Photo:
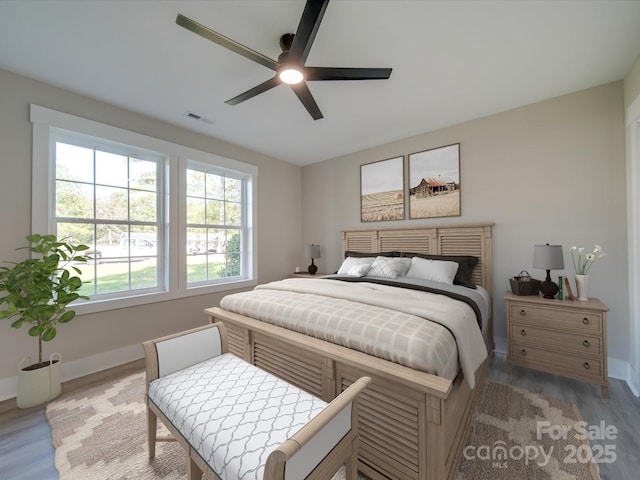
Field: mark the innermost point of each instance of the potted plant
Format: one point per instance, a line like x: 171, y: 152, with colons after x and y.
x: 37, y: 293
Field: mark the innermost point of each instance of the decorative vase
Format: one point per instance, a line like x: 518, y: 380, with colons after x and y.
x: 38, y: 386
x: 582, y: 284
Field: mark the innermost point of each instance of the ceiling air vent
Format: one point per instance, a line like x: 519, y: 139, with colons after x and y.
x: 199, y: 118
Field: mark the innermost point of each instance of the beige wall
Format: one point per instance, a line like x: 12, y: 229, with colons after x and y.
x: 121, y: 331
x: 550, y: 172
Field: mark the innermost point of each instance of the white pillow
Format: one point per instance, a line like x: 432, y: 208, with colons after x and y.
x: 359, y: 270
x: 389, y: 267
x: 351, y: 262
x: 406, y: 265
x: 434, y: 270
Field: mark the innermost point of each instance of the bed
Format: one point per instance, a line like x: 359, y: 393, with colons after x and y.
x: 413, y: 424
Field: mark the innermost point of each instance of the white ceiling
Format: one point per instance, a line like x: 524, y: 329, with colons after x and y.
x: 452, y: 61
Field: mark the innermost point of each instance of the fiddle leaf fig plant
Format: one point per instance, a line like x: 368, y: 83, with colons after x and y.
x: 39, y: 289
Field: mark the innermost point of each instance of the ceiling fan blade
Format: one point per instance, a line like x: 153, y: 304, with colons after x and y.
x: 307, y: 29
x: 304, y: 94
x: 226, y: 42
x: 339, y: 73
x: 258, y: 89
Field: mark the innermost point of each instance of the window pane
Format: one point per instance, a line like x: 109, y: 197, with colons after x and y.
x: 141, y: 242
x: 196, y: 260
x: 143, y: 206
x: 233, y: 264
x: 215, y: 212
x: 108, y: 242
x: 216, y: 266
x: 195, y: 183
x: 74, y: 200
x: 196, y: 240
x: 112, y: 277
x: 216, y: 240
x: 215, y: 186
x: 195, y: 210
x: 112, y: 203
x: 74, y: 163
x: 233, y: 213
x: 233, y: 189
x: 143, y: 174
x: 112, y: 169
x: 144, y: 274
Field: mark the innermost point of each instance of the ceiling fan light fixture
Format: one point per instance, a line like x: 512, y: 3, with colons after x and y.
x: 290, y: 67
x: 291, y: 75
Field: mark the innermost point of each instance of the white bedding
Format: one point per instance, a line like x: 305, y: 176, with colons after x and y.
x: 381, y: 320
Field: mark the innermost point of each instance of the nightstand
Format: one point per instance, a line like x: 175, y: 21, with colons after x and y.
x: 562, y: 337
x: 306, y: 275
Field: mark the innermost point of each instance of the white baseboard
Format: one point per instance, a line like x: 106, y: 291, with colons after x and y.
x: 501, y: 345
x: 617, y: 368
x: 81, y: 367
x: 85, y: 366
x: 624, y: 371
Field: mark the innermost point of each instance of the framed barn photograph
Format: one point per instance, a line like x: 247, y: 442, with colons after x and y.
x: 434, y: 182
x: 382, y: 190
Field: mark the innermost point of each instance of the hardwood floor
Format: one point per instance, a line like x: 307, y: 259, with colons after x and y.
x: 26, y: 452
x: 621, y: 410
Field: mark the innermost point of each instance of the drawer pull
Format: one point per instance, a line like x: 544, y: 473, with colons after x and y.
x: 585, y: 320
x: 523, y: 351
x: 586, y: 365
x: 523, y: 312
x: 586, y: 343
x: 523, y: 332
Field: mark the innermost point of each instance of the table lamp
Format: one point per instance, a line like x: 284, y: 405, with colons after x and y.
x: 312, y: 251
x: 548, y: 257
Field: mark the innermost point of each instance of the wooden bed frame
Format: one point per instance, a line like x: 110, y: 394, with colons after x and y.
x: 412, y: 425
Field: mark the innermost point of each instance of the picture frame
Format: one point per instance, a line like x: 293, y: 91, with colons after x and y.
x: 434, y: 182
x: 382, y: 190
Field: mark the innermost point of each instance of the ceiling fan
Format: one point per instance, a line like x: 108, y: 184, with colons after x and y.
x: 290, y: 67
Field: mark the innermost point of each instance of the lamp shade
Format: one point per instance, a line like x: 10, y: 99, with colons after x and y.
x: 312, y: 251
x: 548, y: 257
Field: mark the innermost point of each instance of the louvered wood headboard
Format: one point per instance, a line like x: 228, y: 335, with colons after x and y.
x: 469, y: 239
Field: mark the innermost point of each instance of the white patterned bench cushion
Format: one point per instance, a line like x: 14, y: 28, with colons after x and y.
x: 233, y: 413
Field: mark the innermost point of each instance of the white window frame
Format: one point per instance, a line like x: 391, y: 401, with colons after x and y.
x: 177, y: 157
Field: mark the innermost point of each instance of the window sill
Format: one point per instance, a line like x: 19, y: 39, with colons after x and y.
x: 97, y: 306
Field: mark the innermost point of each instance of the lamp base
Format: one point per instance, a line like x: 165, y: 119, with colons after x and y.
x: 548, y: 288
x: 312, y: 269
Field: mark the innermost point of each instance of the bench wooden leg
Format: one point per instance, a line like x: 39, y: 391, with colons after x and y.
x: 351, y: 465
x: 193, y: 470
x: 152, y: 430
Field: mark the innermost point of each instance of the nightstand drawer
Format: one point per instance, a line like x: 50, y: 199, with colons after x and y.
x: 525, y: 334
x: 586, y: 368
x: 582, y: 322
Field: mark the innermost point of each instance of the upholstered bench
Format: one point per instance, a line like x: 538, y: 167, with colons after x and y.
x: 240, y: 422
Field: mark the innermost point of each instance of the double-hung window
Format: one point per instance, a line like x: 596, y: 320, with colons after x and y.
x: 214, y: 220
x: 108, y: 197
x: 161, y: 220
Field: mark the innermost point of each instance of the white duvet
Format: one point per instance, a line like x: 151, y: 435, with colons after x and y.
x: 458, y: 317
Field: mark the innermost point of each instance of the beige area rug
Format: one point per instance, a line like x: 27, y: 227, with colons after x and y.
x: 518, y: 434
x: 100, y: 433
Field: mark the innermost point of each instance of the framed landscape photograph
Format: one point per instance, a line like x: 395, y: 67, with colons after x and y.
x: 434, y: 182
x: 382, y: 190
